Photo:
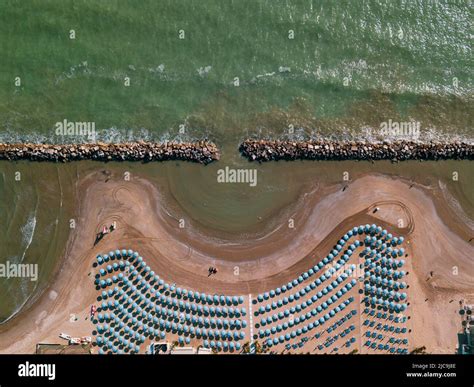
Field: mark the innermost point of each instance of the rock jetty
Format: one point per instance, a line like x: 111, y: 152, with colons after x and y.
x: 267, y: 150
x: 200, y: 151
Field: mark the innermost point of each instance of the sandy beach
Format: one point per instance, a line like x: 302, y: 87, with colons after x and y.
x: 441, y: 263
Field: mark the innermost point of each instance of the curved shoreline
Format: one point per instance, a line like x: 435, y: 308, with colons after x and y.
x: 203, y: 152
x: 183, y: 257
x: 270, y: 150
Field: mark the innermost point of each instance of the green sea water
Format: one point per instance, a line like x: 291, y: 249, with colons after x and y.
x: 324, y: 67
x: 242, y: 68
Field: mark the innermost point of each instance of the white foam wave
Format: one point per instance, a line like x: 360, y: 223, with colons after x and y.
x: 28, y: 231
x: 109, y: 135
x: 202, y: 71
x: 373, y: 135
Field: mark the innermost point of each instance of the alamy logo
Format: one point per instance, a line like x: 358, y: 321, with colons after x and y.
x: 231, y: 175
x: 37, y: 370
x: 73, y: 128
x: 402, y: 128
x: 19, y: 270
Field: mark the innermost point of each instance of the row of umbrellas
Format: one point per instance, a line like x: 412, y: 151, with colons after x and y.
x: 136, y: 296
x: 384, y: 316
x: 141, y: 268
x: 306, y: 328
x: 307, y: 274
x: 298, y: 308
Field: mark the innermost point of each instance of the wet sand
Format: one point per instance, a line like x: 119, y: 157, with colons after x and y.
x: 254, y: 263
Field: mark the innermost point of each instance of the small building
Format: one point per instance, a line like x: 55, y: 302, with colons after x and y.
x: 183, y: 351
x: 466, y: 336
x: 63, y: 349
x: 466, y: 340
x: 165, y: 348
x: 161, y: 348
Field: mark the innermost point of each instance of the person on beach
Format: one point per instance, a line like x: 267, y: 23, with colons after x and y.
x: 105, y: 230
x: 98, y: 237
x: 212, y: 270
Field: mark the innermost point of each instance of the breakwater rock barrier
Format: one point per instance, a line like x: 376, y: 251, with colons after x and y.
x: 200, y: 151
x: 268, y: 150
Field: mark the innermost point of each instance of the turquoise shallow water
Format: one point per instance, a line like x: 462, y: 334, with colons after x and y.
x: 322, y: 66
